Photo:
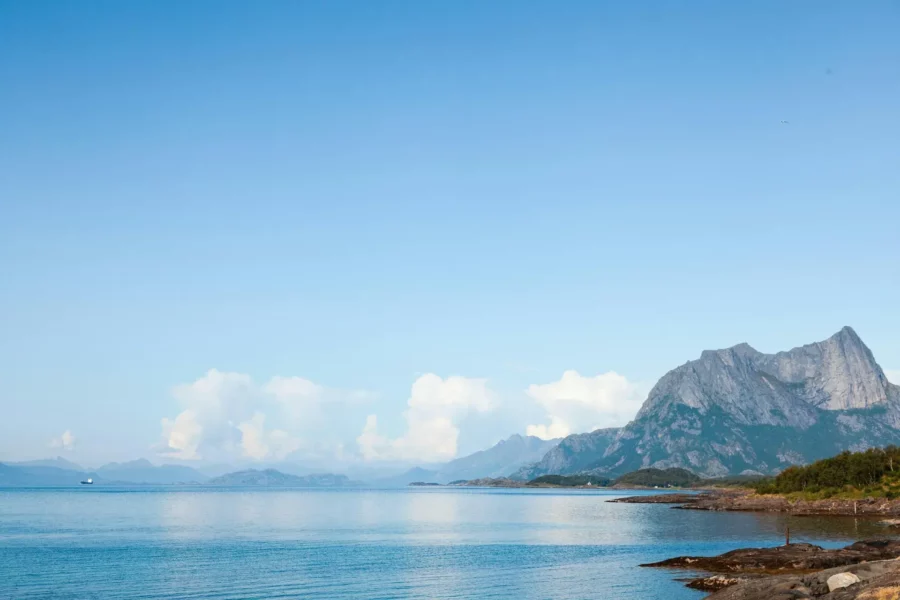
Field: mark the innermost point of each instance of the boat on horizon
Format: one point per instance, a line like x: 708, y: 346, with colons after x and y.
x: 88, y: 481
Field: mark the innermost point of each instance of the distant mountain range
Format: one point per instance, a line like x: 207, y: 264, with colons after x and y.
x: 143, y: 471
x: 59, y: 463
x: 60, y: 472
x: 741, y: 411
x: 27, y: 476
x: 500, y: 460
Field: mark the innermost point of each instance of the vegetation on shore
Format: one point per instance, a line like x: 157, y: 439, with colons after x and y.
x: 673, y: 477
x: 874, y: 473
x: 570, y: 480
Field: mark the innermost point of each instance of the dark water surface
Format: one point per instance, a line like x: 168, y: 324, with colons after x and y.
x: 365, y: 544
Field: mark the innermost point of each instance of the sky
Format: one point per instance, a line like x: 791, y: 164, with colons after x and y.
x: 384, y: 232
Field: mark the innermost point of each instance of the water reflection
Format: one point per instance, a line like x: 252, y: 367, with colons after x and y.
x: 369, y: 543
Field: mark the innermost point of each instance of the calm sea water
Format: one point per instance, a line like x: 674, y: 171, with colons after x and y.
x: 412, y: 543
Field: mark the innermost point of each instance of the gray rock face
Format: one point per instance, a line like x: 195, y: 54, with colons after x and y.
x: 837, y: 374
x: 738, y: 409
x: 777, y: 389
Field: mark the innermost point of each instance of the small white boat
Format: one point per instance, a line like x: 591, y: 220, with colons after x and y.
x: 88, y: 481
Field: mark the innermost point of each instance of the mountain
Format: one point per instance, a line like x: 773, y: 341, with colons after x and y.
x: 574, y: 453
x: 500, y: 460
x: 143, y: 471
x: 59, y: 462
x: 738, y: 410
x: 273, y: 478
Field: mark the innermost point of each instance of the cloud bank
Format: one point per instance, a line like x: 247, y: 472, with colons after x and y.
x: 224, y: 416
x: 66, y: 441
x: 434, y: 410
x: 227, y: 416
x: 575, y: 403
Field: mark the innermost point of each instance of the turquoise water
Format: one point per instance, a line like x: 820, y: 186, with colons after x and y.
x: 411, y: 543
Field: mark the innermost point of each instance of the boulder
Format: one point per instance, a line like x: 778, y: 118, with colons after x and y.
x: 841, y: 580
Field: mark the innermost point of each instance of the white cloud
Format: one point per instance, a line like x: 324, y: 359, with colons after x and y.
x: 893, y: 375
x: 576, y: 404
x: 259, y: 444
x: 253, y: 437
x: 294, y: 390
x: 556, y: 429
x: 66, y: 441
x: 224, y: 416
x: 183, y: 435
x: 435, y: 408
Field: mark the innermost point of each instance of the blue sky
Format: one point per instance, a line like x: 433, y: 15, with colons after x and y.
x: 366, y: 195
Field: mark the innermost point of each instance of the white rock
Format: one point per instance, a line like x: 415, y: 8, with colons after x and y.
x: 841, y: 580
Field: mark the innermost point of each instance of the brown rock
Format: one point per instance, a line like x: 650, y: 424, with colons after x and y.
x: 792, y: 558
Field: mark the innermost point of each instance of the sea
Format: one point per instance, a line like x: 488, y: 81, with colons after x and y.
x: 465, y: 543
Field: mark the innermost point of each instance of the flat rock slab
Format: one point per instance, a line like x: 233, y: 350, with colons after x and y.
x: 792, y: 558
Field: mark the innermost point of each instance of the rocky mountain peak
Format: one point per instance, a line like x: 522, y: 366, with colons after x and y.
x: 839, y: 373
x: 786, y: 388
x: 513, y: 439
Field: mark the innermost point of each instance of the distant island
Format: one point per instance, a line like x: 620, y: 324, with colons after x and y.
x: 275, y: 478
x: 643, y: 478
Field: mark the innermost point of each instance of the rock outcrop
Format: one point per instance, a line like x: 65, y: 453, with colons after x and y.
x: 796, y: 558
x: 877, y: 580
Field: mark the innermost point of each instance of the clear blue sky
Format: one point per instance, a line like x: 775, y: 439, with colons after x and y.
x: 359, y: 193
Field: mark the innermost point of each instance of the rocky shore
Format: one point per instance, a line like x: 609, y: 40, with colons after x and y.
x: 676, y: 498
x: 750, y: 502
x: 864, y: 570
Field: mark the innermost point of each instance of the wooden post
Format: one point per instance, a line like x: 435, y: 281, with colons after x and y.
x: 787, y: 536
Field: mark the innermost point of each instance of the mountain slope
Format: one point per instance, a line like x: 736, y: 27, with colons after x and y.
x: 737, y: 410
x: 500, y: 460
x: 573, y: 454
